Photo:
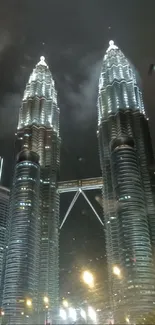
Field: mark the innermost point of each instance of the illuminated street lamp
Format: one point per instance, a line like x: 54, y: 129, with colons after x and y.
x: 127, y: 320
x: 116, y: 271
x: 29, y: 303
x: 2, y: 313
x: 46, y: 300
x: 83, y: 314
x: 63, y: 314
x: 72, y: 314
x: 88, y: 278
x: 65, y: 303
x: 92, y: 314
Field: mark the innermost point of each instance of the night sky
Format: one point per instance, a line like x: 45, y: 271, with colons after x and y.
x: 73, y: 36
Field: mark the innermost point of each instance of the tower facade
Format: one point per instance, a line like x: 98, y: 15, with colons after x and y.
x: 128, y: 203
x: 23, y: 242
x: 37, y: 136
x: 1, y: 167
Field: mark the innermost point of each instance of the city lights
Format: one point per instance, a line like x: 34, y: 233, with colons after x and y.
x: 127, y: 320
x: 65, y: 303
x: 92, y: 314
x: 46, y: 300
x: 116, y: 271
x: 63, y: 314
x: 88, y: 278
x: 29, y: 302
x: 83, y: 314
x: 72, y: 313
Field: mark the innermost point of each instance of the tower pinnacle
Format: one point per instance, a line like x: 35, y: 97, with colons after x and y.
x: 112, y: 46
x: 42, y: 61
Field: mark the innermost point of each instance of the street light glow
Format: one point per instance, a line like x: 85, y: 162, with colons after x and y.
x: 88, y: 278
x: 92, y: 314
x: 46, y: 300
x: 63, y: 314
x: 72, y: 313
x: 65, y: 303
x: 83, y: 314
x: 29, y: 302
x: 116, y: 270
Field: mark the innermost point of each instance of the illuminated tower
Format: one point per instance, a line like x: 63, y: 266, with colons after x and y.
x: 38, y: 135
x: 128, y: 204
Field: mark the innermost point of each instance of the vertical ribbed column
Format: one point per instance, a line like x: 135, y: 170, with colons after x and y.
x: 110, y: 213
x: 23, y: 243
x: 141, y: 138
x: 49, y: 254
x: 54, y: 225
x: 136, y: 254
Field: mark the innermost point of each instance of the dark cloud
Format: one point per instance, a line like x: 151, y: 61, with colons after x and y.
x: 5, y: 40
x: 9, y: 110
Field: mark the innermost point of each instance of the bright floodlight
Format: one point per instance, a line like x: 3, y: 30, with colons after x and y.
x: 127, y: 320
x: 29, y: 302
x: 72, y: 314
x: 88, y: 278
x: 83, y: 314
x: 65, y: 303
x: 46, y: 300
x: 92, y: 314
x: 116, y: 270
x: 63, y: 314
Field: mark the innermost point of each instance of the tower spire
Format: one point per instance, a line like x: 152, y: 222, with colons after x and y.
x: 112, y: 46
x: 42, y: 61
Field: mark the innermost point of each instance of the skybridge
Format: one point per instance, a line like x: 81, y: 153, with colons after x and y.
x: 79, y: 187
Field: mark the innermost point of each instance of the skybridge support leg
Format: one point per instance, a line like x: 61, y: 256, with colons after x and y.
x: 70, y: 208
x: 86, y: 198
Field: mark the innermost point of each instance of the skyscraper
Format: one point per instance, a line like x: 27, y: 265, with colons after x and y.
x: 128, y: 204
x: 36, y: 172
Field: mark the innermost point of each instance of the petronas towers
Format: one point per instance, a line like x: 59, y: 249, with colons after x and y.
x: 31, y: 261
